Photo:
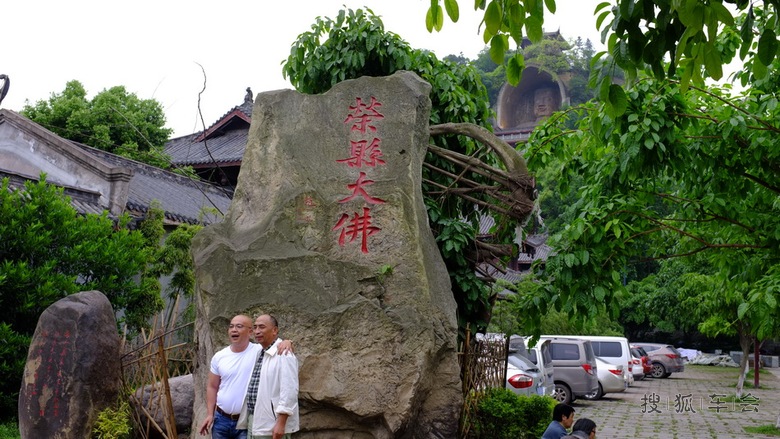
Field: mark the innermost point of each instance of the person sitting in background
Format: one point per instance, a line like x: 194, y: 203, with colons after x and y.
x: 563, y: 417
x: 583, y: 429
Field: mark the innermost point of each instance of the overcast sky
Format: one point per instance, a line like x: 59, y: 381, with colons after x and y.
x: 154, y: 47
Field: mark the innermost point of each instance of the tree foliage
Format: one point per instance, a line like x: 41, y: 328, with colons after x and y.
x: 665, y: 38
x: 682, y: 172
x: 552, y: 55
x: 663, y: 168
x: 355, y: 44
x: 49, y: 251
x: 114, y: 120
x: 509, y: 316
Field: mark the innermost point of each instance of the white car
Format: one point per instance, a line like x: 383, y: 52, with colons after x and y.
x: 615, y: 350
x: 612, y: 379
x: 540, y: 357
x: 523, y: 377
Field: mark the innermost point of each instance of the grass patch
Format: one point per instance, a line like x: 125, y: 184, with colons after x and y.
x: 732, y: 374
x: 766, y: 430
x: 10, y: 430
x: 746, y: 399
x: 709, y: 369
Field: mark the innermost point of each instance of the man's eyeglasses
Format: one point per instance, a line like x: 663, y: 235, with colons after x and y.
x: 237, y: 326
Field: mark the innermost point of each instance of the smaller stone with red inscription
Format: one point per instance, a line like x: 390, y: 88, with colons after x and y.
x: 73, y: 368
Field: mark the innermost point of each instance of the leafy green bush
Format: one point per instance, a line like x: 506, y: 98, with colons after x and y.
x: 113, y: 423
x: 503, y: 415
x: 13, y: 352
x: 10, y: 430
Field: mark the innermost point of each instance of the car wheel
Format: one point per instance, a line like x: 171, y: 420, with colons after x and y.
x: 659, y: 371
x: 667, y: 375
x: 562, y: 393
x: 596, y: 394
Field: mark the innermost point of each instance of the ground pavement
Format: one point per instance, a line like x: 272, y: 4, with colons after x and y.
x: 689, y: 405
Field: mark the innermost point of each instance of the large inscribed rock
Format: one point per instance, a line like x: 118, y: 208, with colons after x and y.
x: 328, y: 232
x: 73, y: 368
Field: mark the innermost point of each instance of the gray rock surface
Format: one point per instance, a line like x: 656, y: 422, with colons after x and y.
x: 72, y: 370
x: 371, y: 315
x: 182, y: 399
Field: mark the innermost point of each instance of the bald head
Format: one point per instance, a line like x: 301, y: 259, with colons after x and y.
x: 239, y: 332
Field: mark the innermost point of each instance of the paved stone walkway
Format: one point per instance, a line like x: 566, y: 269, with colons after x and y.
x: 689, y: 405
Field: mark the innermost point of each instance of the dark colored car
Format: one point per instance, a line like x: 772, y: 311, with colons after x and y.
x: 665, y: 359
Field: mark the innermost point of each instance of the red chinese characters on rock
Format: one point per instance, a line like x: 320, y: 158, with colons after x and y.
x: 364, y: 153
x: 361, y: 115
x: 49, y: 383
x: 359, y: 225
x: 358, y: 189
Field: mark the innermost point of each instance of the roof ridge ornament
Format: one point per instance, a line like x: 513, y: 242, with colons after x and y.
x: 6, y: 83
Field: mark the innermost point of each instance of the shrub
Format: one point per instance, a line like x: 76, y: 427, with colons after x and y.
x: 10, y: 430
x: 503, y: 415
x: 13, y: 355
x: 113, y: 423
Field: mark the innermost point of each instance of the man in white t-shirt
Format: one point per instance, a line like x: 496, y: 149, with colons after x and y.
x: 229, y: 375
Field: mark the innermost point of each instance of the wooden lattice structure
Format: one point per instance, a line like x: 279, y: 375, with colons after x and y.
x: 148, y: 362
x: 483, y: 367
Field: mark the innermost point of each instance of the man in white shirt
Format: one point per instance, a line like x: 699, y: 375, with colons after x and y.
x: 229, y: 375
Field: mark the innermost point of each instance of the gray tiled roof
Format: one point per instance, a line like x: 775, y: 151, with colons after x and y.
x: 225, y: 140
x: 538, y: 242
x: 543, y: 251
x: 85, y: 202
x: 86, y: 208
x: 227, y: 148
x: 184, y: 200
x: 509, y: 275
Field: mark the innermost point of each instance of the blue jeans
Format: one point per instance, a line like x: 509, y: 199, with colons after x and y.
x: 225, y: 428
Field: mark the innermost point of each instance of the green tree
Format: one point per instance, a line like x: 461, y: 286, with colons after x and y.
x: 666, y: 168
x: 355, y: 44
x: 679, y: 173
x: 552, y: 55
x: 48, y: 251
x: 114, y: 120
x: 173, y: 259
x: 665, y: 38
x: 683, y: 172
x: 510, y: 316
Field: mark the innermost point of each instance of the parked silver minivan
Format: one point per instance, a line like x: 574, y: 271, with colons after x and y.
x: 575, y: 369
